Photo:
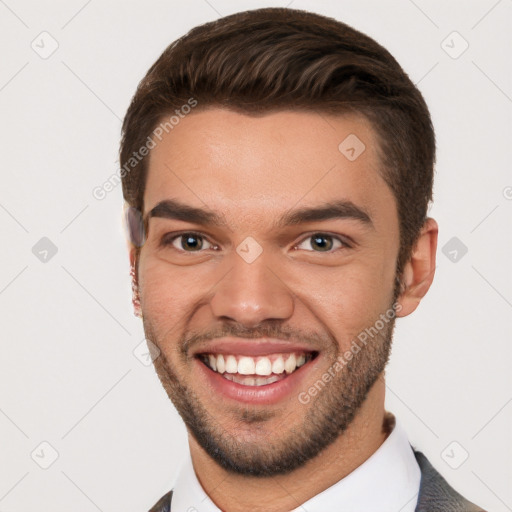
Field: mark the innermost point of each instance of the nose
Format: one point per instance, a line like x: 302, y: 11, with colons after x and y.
x: 251, y: 293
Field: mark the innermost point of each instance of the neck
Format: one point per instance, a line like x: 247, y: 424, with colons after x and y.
x: 237, y: 493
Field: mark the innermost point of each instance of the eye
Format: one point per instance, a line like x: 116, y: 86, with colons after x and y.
x: 321, y: 242
x: 188, y: 242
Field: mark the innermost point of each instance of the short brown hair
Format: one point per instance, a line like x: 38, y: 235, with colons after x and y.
x: 273, y: 59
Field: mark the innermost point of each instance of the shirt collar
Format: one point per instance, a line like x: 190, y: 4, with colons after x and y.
x: 389, y: 480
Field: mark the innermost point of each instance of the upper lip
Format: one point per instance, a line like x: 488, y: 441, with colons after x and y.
x: 251, y: 347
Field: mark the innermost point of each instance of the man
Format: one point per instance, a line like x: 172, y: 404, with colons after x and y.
x: 277, y: 166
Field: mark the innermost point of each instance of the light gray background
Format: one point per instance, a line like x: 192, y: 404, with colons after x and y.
x: 69, y: 375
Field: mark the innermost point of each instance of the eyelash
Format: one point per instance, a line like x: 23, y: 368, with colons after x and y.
x: 169, y: 240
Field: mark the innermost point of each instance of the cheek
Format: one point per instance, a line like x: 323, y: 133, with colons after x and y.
x: 168, y: 293
x: 348, y: 299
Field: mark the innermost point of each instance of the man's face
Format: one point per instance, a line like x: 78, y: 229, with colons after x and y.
x: 276, y: 273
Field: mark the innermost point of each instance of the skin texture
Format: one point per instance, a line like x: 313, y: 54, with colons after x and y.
x: 252, y: 170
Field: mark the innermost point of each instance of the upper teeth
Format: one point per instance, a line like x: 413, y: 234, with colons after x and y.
x: 261, y: 365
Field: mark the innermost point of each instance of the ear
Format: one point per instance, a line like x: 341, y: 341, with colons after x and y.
x: 418, y: 272
x: 135, y: 238
x: 137, y: 310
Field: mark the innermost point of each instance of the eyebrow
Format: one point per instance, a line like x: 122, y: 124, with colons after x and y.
x: 172, y: 209
x: 333, y: 210
x: 342, y: 209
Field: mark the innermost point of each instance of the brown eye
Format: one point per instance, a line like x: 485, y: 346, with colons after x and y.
x: 188, y: 242
x: 321, y: 242
x: 191, y: 242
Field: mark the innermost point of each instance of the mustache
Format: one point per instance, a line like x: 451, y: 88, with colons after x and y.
x: 265, y: 330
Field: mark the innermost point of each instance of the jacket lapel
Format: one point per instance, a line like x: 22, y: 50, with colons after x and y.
x: 163, y: 504
x: 436, y: 494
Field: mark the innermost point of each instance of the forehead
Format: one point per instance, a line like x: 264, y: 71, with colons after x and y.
x: 255, y: 166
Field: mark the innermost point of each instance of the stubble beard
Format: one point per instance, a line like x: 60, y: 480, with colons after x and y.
x: 326, y: 416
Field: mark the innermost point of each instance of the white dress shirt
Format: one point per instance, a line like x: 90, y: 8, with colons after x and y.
x: 388, y: 481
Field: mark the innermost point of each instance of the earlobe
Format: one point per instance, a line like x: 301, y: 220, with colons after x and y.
x: 418, y: 272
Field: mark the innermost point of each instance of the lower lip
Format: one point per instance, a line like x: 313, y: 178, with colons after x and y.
x: 266, y: 394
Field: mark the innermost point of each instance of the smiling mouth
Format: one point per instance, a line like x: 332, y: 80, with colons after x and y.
x: 259, y: 370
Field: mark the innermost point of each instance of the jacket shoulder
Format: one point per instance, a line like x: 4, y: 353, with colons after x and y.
x: 163, y: 504
x: 436, y: 493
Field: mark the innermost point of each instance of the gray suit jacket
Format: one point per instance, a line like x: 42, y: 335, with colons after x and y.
x: 435, y: 494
